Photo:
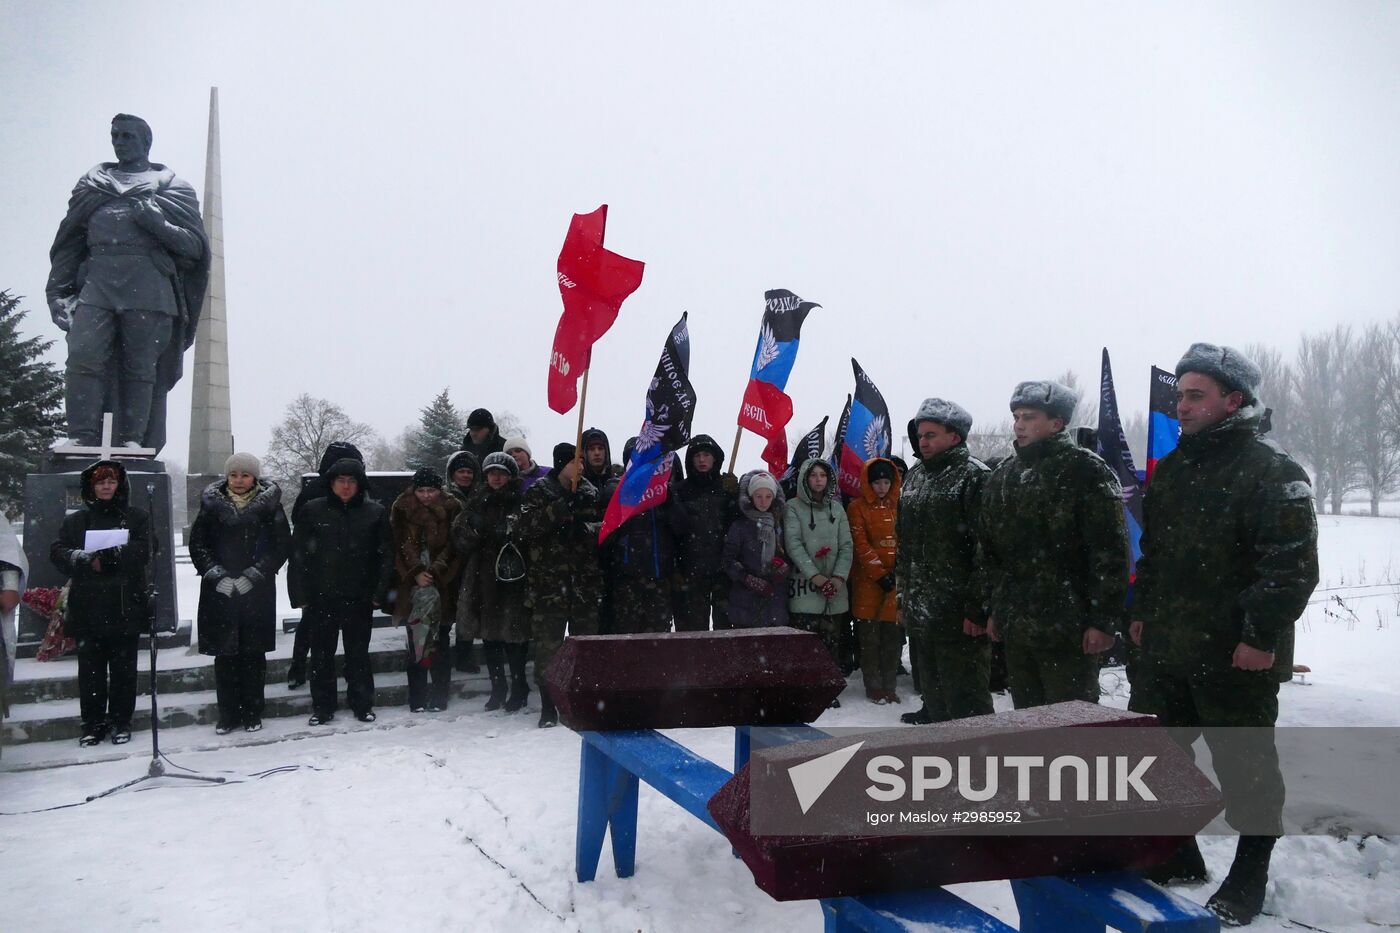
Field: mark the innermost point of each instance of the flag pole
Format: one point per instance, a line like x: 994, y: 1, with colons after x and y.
x: 734, y: 454
x: 578, y: 435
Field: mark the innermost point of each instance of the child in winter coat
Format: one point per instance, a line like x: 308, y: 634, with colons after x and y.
x: 872, y: 518
x: 818, y: 538
x: 754, y: 557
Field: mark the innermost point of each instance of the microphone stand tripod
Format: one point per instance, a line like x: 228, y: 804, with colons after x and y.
x: 157, y: 766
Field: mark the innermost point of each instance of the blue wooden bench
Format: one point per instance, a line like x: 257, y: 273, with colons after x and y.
x: 613, y: 763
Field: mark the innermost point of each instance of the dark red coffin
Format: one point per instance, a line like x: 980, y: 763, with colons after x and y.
x: 692, y: 679
x: 796, y: 867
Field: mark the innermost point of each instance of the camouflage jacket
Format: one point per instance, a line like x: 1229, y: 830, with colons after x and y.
x: 1229, y: 547
x: 1053, y: 544
x: 936, y: 560
x: 560, y: 530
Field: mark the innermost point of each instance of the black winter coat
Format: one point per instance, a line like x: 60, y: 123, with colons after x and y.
x: 709, y: 510
x: 229, y: 542
x: 341, y: 552
x: 115, y: 599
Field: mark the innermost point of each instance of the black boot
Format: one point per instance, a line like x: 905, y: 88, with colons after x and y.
x: 1185, y: 866
x: 519, y: 686
x: 1241, y: 897
x: 463, y: 658
x: 549, y: 716
x: 919, y: 717
x: 496, y: 669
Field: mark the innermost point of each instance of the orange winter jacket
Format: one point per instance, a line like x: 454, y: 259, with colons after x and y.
x: 872, y: 531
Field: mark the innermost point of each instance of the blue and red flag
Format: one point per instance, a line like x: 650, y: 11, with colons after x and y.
x: 593, y: 283
x: 767, y: 409
x: 1112, y: 445
x: 1163, y: 428
x: 670, y: 411
x: 867, y: 433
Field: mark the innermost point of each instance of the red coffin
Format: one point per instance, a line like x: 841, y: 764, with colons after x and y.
x: 692, y: 679
x: 801, y: 867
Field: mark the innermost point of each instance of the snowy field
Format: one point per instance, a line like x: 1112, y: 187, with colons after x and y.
x: 465, y: 820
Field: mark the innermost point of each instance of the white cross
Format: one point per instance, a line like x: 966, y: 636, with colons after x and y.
x: 107, y: 450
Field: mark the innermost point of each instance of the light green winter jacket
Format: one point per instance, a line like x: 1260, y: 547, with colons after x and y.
x: 818, y: 540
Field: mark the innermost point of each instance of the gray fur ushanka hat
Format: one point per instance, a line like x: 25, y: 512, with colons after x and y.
x: 1054, y: 399
x: 1226, y: 365
x: 941, y: 411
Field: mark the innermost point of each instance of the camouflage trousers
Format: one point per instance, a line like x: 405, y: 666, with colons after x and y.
x: 835, y: 631
x: 880, y: 646
x: 638, y: 605
x: 548, y: 626
x: 1236, y: 711
x: 1038, y: 675
x: 954, y: 673
x: 696, y: 598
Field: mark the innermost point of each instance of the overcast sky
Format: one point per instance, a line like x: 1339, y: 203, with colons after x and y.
x: 976, y: 193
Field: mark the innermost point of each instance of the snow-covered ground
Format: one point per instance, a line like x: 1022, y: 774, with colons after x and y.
x: 466, y: 819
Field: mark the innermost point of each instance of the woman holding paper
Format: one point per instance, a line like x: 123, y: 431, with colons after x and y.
x: 104, y: 548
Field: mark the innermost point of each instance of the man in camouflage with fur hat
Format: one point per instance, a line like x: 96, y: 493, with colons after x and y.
x: 560, y: 517
x: 938, y: 595
x: 1053, y: 546
x: 1229, y: 559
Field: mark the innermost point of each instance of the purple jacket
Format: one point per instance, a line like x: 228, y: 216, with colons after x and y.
x: 532, y: 476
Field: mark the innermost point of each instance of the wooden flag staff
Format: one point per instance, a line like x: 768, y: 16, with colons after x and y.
x: 578, y: 435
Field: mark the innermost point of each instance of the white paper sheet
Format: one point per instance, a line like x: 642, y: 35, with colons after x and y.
x: 107, y: 537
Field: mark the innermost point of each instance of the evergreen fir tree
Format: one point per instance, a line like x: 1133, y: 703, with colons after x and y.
x: 31, y: 404
x: 437, y: 436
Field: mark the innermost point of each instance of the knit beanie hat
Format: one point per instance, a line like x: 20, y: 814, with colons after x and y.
x: 427, y: 477
x: 563, y: 453
x: 762, y: 481
x: 500, y: 461
x: 463, y: 458
x: 880, y: 469
x: 518, y: 443
x: 1226, y: 365
x: 1056, y: 400
x: 243, y: 463
x: 481, y: 418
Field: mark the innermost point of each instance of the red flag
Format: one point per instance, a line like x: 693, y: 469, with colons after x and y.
x: 593, y: 282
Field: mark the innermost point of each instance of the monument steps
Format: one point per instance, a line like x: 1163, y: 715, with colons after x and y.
x: 44, y: 698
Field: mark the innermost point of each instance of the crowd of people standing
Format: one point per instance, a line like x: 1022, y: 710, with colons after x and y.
x: 952, y: 555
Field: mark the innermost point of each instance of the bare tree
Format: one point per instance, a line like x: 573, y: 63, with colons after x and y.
x: 510, y: 425
x: 1373, y: 395
x: 1086, y: 411
x: 307, y: 427
x: 388, y: 455
x: 1275, y: 389
x: 994, y: 443
x: 1322, y: 431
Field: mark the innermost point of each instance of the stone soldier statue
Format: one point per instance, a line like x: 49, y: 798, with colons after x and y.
x: 128, y: 272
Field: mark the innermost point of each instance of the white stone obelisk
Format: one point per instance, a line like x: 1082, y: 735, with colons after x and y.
x: 211, y: 424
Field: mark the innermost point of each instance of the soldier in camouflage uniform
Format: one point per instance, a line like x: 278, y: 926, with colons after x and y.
x: 940, y: 600
x: 1229, y: 559
x: 1054, y: 552
x: 639, y: 562
x: 559, y: 525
